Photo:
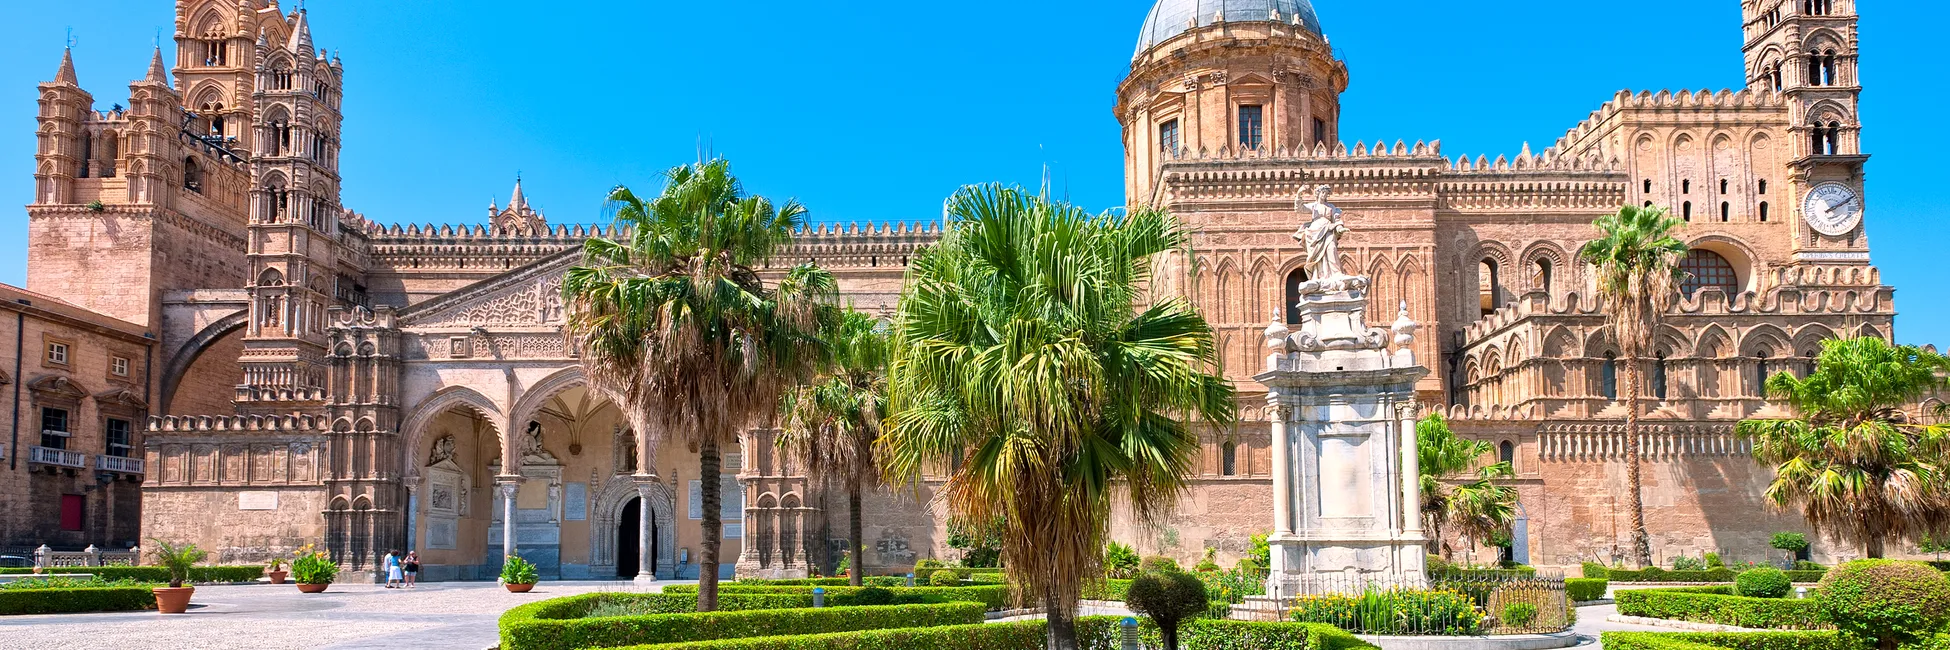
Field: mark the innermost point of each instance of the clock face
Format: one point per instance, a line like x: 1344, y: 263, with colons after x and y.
x: 1832, y: 209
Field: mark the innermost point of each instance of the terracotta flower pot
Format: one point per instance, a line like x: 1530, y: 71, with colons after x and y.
x: 520, y: 589
x: 277, y: 577
x: 311, y: 588
x: 173, y: 600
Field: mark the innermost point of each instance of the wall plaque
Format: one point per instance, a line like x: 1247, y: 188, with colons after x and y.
x: 575, y: 500
x: 257, y: 500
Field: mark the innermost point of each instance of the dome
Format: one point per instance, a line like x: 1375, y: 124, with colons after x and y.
x: 1170, y: 18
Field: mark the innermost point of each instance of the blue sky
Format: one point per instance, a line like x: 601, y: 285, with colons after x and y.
x: 874, y: 111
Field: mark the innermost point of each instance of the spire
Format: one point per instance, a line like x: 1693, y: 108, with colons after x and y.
x: 156, y: 72
x: 301, y: 36
x: 517, y: 202
x: 66, y: 73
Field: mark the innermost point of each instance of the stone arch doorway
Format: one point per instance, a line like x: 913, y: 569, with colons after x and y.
x: 629, y: 529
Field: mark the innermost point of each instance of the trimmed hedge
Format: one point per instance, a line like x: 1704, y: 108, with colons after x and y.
x: 1093, y: 633
x: 994, y: 597
x: 553, y: 624
x: 82, y: 599
x: 1728, y: 640
x: 1656, y: 574
x: 1583, y: 589
x: 1716, y: 605
x: 198, y: 574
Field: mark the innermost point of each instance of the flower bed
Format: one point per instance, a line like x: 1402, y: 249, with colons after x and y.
x: 1728, y: 640
x: 198, y: 575
x: 561, y: 622
x: 61, y: 595
x: 1093, y: 633
x: 1393, y: 612
x: 1719, y: 606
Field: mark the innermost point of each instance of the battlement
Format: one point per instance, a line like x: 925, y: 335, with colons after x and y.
x: 1667, y: 100
x: 250, y: 423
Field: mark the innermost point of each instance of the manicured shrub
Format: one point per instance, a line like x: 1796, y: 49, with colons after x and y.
x: 924, y: 566
x: 944, y: 578
x: 1107, y: 590
x: 1584, y: 589
x: 1519, y: 614
x: 1805, y: 576
x: 557, y: 623
x: 1713, y: 561
x: 1158, y: 564
x: 1093, y: 632
x: 1393, y: 611
x: 1790, y: 542
x: 83, y: 599
x: 1717, y: 605
x: 1596, y: 570
x: 1656, y: 574
x: 1764, y: 582
x: 156, y: 574
x: 994, y: 597
x: 1804, y: 565
x: 1888, y: 601
x: 1730, y: 640
x: 1168, y: 599
x: 1688, y: 563
x: 873, y: 596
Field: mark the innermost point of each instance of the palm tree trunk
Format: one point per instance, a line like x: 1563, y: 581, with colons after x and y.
x: 709, y: 468
x: 1641, y: 542
x: 856, y: 532
x: 1062, y: 626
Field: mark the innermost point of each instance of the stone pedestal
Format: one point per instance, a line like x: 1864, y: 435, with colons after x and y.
x: 1346, y: 490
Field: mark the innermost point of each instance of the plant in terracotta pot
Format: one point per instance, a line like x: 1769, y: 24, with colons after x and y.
x: 276, y: 571
x: 519, y: 575
x: 175, y: 598
x: 312, y: 570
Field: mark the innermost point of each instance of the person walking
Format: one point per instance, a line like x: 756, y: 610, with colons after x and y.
x: 392, y: 567
x: 412, y: 568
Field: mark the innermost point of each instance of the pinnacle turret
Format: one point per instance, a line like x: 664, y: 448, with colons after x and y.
x: 66, y: 74
x: 301, y: 36
x: 157, y: 74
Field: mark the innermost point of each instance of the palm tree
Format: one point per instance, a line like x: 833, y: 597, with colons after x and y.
x: 675, y: 325
x: 1637, y: 260
x: 1025, y: 345
x: 1457, y: 490
x: 831, y: 424
x: 1858, y: 465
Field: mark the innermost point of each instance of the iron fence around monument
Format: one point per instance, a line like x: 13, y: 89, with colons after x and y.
x: 1450, y: 604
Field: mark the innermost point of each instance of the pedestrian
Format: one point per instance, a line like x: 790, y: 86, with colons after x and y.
x: 412, y: 568
x: 392, y: 569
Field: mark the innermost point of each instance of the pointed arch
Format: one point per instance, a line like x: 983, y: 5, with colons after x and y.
x: 1226, y: 306
x: 1765, y: 340
x: 1714, y: 343
x: 420, y: 418
x: 1560, y: 343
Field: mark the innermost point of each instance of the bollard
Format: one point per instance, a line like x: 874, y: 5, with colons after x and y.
x: 910, y: 579
x: 1130, y: 634
x: 819, y: 596
x: 1800, y: 593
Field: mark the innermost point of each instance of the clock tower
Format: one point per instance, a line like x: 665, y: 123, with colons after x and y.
x: 1807, y: 50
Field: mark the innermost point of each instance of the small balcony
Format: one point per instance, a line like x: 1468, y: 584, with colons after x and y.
x: 57, y: 457
x: 119, y: 464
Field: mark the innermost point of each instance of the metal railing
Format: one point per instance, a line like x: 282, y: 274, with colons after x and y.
x: 119, y: 464
x: 1445, y: 605
x: 57, y: 457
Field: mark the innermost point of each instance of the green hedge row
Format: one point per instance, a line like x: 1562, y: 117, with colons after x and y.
x: 1583, y: 589
x: 1656, y: 574
x: 1093, y: 633
x: 198, y: 574
x: 82, y: 599
x: 994, y: 597
x: 1716, y: 605
x: 1727, y: 640
x: 1108, y: 590
x: 554, y: 623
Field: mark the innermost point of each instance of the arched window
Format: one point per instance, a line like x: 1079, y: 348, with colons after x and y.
x: 1489, y: 286
x: 1543, y: 275
x: 1168, y: 138
x: 1648, y: 186
x: 1812, y: 360
x: 1659, y: 376
x: 1706, y: 268
x: 1685, y: 187
x: 280, y: 77
x: 1763, y: 186
x: 1834, y: 138
x: 1507, y: 453
x: 1608, y: 377
x: 1293, y: 281
x: 1763, y: 212
x: 87, y: 151
x: 192, y: 176
x: 1723, y: 186
x: 1760, y: 374
x: 1686, y: 210
x: 1814, y: 68
x: 1726, y: 211
x: 1830, y: 73
x: 1229, y: 459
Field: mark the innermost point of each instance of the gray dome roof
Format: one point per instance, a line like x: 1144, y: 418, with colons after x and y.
x: 1170, y: 18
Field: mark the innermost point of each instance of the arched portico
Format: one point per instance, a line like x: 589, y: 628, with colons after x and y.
x: 609, y: 504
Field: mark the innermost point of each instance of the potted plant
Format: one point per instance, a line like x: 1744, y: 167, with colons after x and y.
x: 312, y: 570
x: 175, y: 598
x: 519, y: 575
x: 276, y: 571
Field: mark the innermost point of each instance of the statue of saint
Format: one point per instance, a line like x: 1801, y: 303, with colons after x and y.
x: 1321, y: 235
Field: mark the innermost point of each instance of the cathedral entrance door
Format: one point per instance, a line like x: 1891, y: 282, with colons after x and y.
x: 627, y: 526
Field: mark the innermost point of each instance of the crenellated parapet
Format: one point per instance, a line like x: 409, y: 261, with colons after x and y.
x: 837, y: 246
x: 1689, y: 103
x: 198, y: 424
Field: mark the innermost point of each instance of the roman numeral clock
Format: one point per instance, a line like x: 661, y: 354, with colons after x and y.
x: 1832, y: 209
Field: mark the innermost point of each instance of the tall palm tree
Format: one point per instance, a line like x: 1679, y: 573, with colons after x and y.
x: 1637, y: 260
x: 1458, y: 490
x: 1858, y: 465
x: 831, y: 423
x: 676, y: 326
x: 1024, y: 342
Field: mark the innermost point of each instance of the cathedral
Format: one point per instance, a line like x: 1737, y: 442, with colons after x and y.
x: 300, y: 374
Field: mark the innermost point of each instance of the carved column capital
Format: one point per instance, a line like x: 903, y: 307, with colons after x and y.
x: 508, y: 487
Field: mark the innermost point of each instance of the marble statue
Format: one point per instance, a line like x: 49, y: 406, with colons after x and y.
x: 1321, y: 235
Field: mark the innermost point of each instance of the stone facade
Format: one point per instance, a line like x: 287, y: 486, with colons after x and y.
x: 321, y: 378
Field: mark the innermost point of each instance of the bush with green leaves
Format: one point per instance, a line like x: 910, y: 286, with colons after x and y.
x: 1826, y: 640
x: 1886, y: 601
x: 1804, y: 565
x: 1168, y: 598
x: 944, y: 578
x: 64, y: 600
x: 1688, y: 563
x: 177, y: 560
x: 310, y: 567
x: 873, y: 596
x: 154, y: 574
x: 1093, y: 632
x: 1718, y: 605
x: 994, y: 597
x: 1158, y: 564
x: 1518, y: 614
x: 1656, y: 574
x: 1713, y: 560
x: 924, y: 566
x: 518, y: 571
x: 1790, y: 542
x: 1595, y: 570
x: 1441, y: 612
x: 561, y: 622
x: 1765, y: 582
x: 1585, y: 589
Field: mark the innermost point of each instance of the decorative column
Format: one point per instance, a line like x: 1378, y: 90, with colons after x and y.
x: 1282, y: 480
x: 1411, y: 471
x: 646, y: 564
x: 412, y: 512
x: 509, y: 485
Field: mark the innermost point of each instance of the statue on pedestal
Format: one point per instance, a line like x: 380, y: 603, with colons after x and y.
x: 1321, y: 235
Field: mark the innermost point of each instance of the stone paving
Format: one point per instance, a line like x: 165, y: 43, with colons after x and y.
x: 440, y: 616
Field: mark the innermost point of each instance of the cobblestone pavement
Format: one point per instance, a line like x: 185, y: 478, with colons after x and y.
x: 440, y: 616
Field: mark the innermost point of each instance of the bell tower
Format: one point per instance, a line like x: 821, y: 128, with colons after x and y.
x: 1808, y: 50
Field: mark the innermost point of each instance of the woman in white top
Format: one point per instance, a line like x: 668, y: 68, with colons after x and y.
x: 392, y: 570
